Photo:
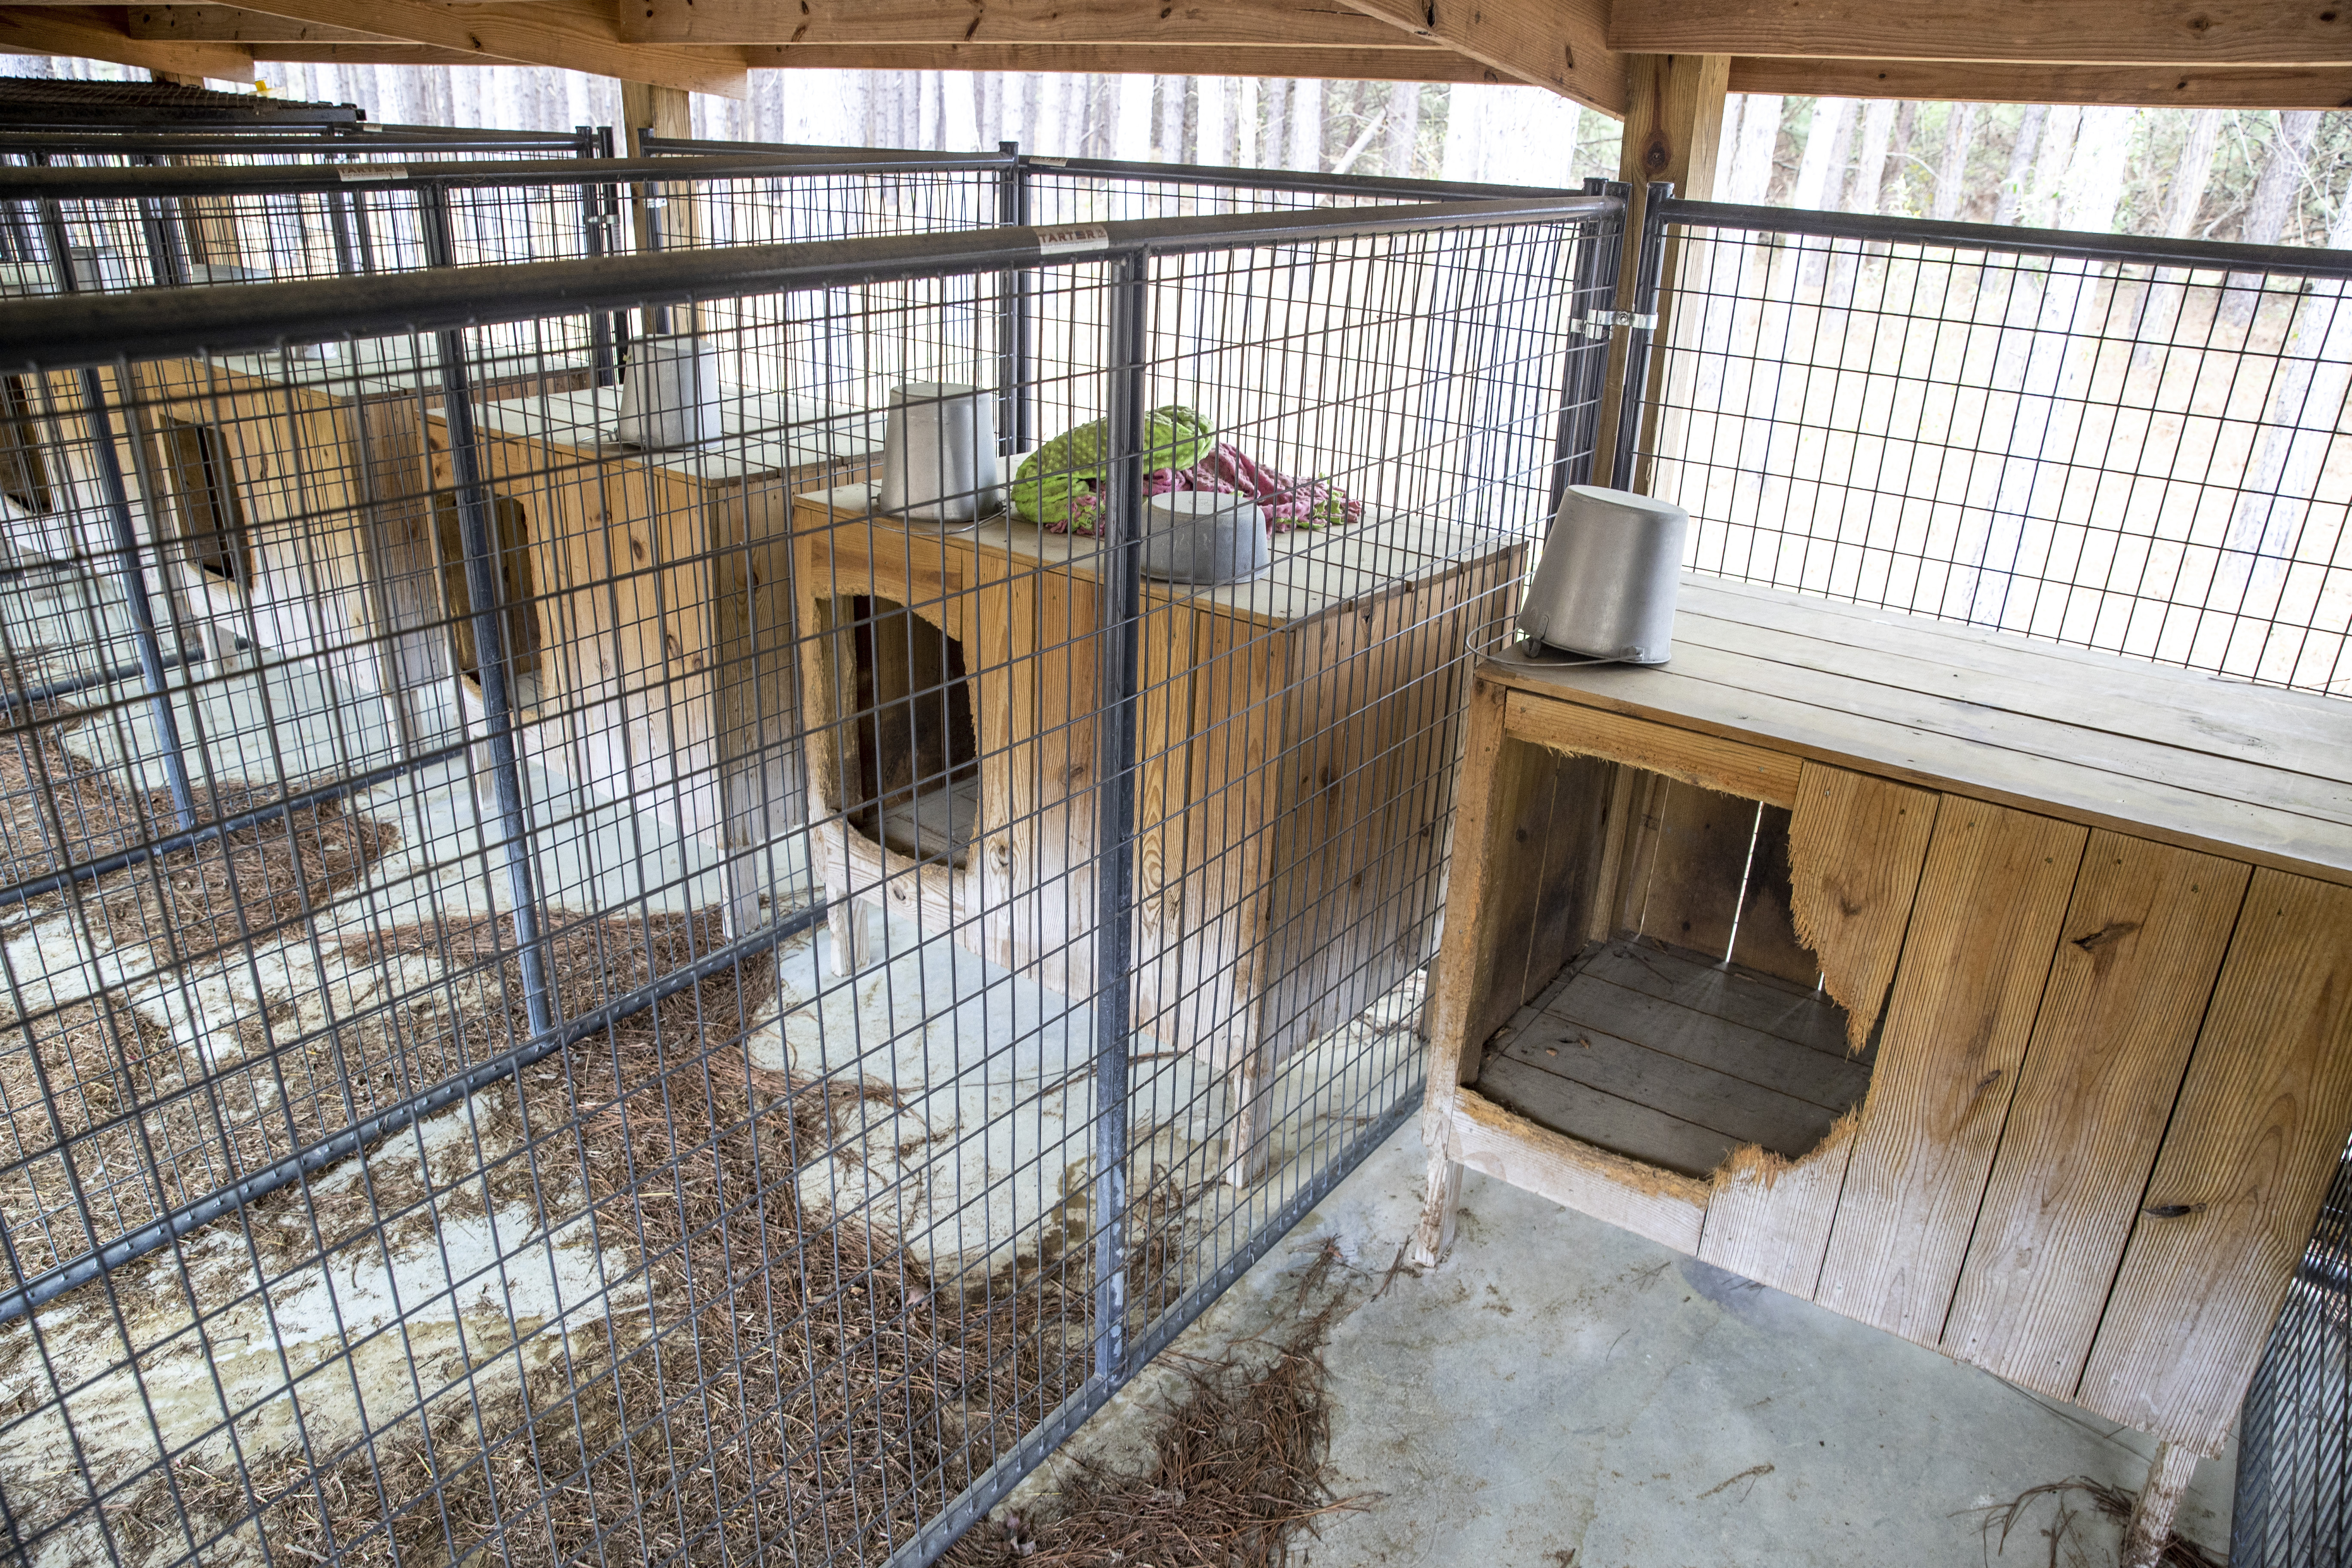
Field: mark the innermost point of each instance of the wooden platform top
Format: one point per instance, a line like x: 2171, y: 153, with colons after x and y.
x: 2253, y: 772
x: 1314, y: 570
x: 766, y: 433
x: 365, y: 369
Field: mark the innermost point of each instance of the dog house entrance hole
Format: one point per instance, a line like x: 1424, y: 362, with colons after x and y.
x: 918, y: 786
x: 207, y: 506
x: 1698, y: 1024
x: 23, y: 471
x: 513, y: 526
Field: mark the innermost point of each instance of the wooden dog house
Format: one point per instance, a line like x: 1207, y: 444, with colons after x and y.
x: 2078, y: 1062
x: 631, y: 580
x: 288, y: 503
x: 1295, y: 761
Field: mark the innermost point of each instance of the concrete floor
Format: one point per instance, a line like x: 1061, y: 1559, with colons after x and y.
x: 1555, y: 1392
x: 1560, y: 1391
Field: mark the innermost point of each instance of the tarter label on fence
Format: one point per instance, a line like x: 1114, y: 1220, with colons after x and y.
x: 1076, y: 237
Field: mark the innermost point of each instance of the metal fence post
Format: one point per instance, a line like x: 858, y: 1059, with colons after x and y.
x: 1587, y: 355
x: 1646, y: 271
x: 1118, y: 624
x: 130, y: 575
x: 1015, y: 208
x: 486, y: 599
x: 592, y: 243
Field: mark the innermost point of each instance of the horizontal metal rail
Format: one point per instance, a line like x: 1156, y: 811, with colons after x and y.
x: 81, y: 330
x: 2132, y: 250
x: 49, y: 1285
x: 275, y: 139
x: 36, y: 887
x: 84, y: 330
x: 10, y: 701
x: 22, y: 184
x: 858, y: 160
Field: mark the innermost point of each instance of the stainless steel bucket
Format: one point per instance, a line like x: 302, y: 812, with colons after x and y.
x: 1605, y: 587
x: 670, y: 394
x: 939, y: 453
x: 1204, y: 537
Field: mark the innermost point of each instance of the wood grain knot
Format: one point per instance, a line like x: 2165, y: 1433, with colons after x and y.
x: 2172, y: 1211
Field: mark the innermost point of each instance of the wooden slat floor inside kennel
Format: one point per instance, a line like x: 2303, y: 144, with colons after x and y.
x: 1661, y: 1056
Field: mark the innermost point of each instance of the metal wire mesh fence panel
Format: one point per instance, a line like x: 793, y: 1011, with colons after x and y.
x: 2121, y: 443
x: 652, y: 981
x: 2292, y: 1502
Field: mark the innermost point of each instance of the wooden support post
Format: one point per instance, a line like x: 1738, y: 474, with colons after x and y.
x: 1672, y: 121
x: 650, y: 110
x: 2150, y: 1530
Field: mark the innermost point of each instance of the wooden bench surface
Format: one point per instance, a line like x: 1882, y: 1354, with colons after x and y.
x: 2253, y: 772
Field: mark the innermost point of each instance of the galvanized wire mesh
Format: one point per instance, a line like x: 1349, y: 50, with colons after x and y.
x: 2293, y: 1503
x: 2125, y: 444
x: 641, y: 983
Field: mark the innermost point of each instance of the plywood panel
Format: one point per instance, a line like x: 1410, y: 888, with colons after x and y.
x: 1697, y: 870
x: 1991, y: 900
x: 2251, y: 1146
x: 2142, y: 943
x: 1767, y: 936
x: 1856, y: 843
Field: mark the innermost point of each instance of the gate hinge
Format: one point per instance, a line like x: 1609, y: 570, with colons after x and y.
x: 1596, y: 324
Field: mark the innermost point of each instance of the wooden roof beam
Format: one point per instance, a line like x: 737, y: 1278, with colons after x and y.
x: 1325, y: 24
x: 2192, y: 87
x: 576, y: 34
x: 95, y: 36
x: 1556, y: 44
x: 1404, y: 63
x: 233, y: 25
x: 2044, y: 32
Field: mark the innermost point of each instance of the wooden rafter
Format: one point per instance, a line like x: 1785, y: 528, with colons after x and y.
x: 96, y: 35
x: 2192, y: 87
x: 577, y: 34
x: 1557, y: 44
x: 1390, y: 64
x: 2047, y: 32
x: 1325, y: 24
x: 233, y: 25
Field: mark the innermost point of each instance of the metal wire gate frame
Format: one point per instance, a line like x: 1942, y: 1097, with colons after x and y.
x: 2121, y: 443
x: 525, y: 934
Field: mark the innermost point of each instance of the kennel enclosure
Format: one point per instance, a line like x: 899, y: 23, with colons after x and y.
x: 450, y: 1075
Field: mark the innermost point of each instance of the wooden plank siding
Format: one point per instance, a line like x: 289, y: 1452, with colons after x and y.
x: 2135, y: 961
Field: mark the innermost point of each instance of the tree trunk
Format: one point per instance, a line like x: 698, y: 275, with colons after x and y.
x: 1273, y: 127
x: 1212, y: 121
x: 2021, y: 153
x: 1306, y: 124
x: 1898, y: 156
x: 2275, y: 197
x: 1752, y: 159
x: 1172, y: 119
x: 2048, y: 367
x: 1952, y: 170
x: 2053, y: 167
x: 1870, y: 161
x: 2267, y: 529
x: 1813, y: 190
x: 1248, y: 114
x: 1404, y: 131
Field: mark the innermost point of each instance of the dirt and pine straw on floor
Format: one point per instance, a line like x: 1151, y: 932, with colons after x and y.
x: 801, y: 1385
x: 118, y: 1086
x: 1239, y: 1468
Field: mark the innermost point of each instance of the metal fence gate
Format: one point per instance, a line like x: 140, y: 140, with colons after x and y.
x: 584, y: 991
